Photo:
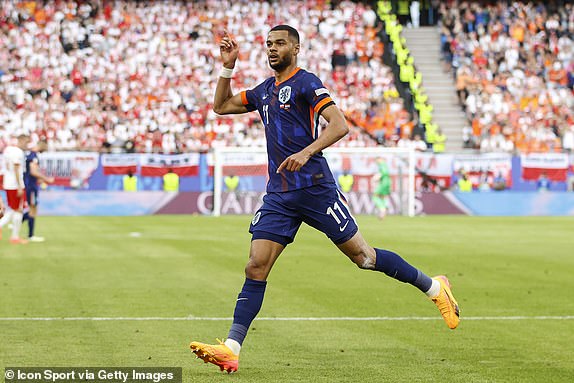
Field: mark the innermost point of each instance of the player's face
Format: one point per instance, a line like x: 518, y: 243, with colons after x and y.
x: 23, y: 143
x: 281, y: 50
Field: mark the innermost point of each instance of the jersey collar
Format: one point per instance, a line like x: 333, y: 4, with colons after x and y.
x: 288, y: 77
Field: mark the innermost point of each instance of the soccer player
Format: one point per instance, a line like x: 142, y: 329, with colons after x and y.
x: 301, y: 187
x: 31, y: 177
x: 383, y: 190
x: 14, y: 187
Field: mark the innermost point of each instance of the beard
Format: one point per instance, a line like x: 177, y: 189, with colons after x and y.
x: 281, y: 64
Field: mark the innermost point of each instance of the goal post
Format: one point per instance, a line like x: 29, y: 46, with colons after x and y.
x: 249, y: 165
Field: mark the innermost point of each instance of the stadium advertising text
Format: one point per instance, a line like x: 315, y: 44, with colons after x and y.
x: 77, y: 169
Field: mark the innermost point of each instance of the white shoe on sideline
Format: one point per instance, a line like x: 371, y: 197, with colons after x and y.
x: 36, y: 239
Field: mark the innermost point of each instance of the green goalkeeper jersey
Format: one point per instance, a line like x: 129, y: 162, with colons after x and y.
x: 384, y: 186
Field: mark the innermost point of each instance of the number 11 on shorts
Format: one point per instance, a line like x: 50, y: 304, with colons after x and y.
x: 331, y: 211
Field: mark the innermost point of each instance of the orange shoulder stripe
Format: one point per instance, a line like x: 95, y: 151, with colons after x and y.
x: 244, y: 98
x: 322, y: 103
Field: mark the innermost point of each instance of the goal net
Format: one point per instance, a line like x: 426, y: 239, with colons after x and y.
x: 240, y: 178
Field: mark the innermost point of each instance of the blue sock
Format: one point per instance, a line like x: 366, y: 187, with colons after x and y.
x: 25, y: 216
x: 248, y: 304
x: 31, y: 221
x: 394, y: 266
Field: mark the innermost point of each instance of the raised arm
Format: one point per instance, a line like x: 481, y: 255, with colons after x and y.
x: 224, y: 102
x: 335, y: 130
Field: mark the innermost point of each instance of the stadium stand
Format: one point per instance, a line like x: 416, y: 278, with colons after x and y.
x: 513, y: 63
x: 139, y: 76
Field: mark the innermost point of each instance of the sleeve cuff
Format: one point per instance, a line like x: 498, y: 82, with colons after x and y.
x: 321, y: 105
x: 244, y: 98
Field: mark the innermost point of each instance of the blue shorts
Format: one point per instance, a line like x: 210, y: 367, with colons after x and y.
x: 320, y: 206
x: 32, y: 196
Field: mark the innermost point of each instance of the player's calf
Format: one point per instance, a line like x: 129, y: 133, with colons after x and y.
x: 359, y: 252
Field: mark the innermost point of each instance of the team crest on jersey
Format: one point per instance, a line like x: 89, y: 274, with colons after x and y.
x: 284, y: 94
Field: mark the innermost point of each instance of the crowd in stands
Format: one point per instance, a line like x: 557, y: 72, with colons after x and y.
x: 513, y: 64
x: 139, y: 76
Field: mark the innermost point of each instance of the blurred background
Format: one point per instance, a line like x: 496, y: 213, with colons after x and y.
x: 481, y: 91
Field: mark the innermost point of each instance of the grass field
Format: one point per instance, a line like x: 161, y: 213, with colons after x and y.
x: 507, y: 274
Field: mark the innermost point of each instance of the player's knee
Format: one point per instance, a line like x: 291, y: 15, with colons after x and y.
x: 256, y: 270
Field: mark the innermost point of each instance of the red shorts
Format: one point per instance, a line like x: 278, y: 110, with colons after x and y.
x: 15, y: 202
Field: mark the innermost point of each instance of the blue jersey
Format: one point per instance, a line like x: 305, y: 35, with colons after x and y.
x: 290, y: 113
x: 30, y: 181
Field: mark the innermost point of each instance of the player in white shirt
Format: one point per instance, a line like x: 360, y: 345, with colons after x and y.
x: 1, y: 208
x: 14, y: 164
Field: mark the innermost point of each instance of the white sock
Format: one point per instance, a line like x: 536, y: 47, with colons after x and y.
x: 16, y: 224
x: 434, y: 289
x: 233, y: 345
x: 7, y: 218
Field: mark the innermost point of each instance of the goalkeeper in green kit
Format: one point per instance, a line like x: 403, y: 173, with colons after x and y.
x: 383, y: 190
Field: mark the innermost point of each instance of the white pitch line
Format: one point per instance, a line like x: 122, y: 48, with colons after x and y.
x: 287, y: 319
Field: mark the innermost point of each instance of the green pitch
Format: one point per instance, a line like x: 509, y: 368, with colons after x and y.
x: 506, y: 274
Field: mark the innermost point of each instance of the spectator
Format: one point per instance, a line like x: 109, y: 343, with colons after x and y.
x: 483, y: 184
x: 130, y: 182
x: 170, y: 181
x: 543, y: 183
x: 138, y: 76
x: 346, y: 181
x: 464, y: 184
x: 418, y: 144
x: 231, y: 182
x: 440, y: 142
x: 568, y: 139
x: 513, y: 68
x: 415, y: 13
x: 499, y: 182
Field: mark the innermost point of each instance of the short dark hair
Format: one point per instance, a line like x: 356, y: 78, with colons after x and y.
x: 292, y: 32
